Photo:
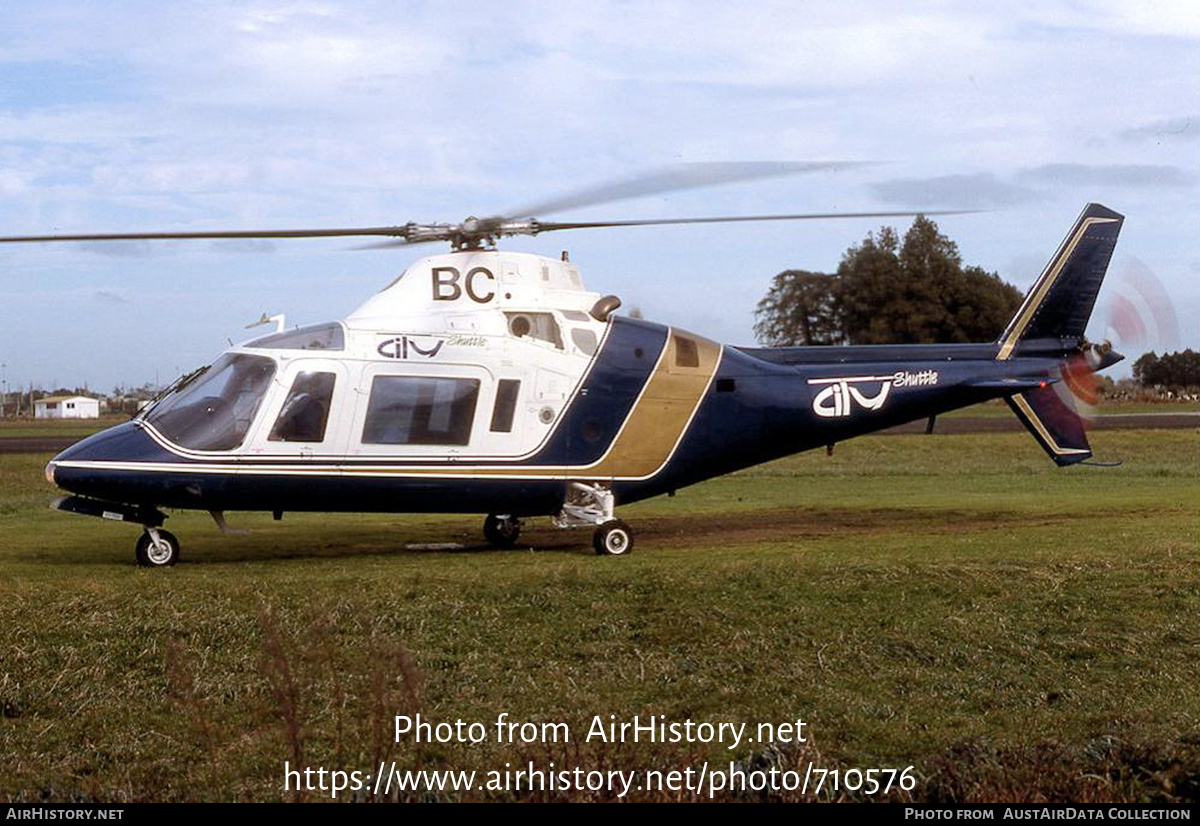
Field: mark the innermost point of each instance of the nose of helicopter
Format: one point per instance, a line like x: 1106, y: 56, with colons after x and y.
x: 126, y: 442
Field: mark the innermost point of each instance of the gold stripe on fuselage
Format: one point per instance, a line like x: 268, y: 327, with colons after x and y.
x: 661, y: 414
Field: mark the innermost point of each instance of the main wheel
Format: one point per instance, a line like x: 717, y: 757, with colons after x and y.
x: 157, y: 554
x: 613, y: 538
x: 501, y: 531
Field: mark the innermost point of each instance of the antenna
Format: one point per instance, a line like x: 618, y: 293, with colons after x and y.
x: 280, y: 322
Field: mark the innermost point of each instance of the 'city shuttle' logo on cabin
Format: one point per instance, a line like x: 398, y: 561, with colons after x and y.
x: 401, y: 347
x: 840, y: 395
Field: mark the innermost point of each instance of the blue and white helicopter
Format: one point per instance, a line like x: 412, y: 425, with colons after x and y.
x: 493, y: 382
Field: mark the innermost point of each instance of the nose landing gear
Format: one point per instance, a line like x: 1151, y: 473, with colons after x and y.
x: 157, y: 548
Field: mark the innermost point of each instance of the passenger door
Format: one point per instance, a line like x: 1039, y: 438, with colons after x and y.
x: 307, y: 413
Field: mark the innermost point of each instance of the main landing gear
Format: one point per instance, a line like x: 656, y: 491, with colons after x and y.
x: 586, y: 506
x: 592, y: 505
x: 501, y: 530
x: 157, y: 548
x: 613, y: 538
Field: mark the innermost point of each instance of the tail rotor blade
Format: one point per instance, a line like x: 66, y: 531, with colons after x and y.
x: 1139, y: 315
x: 1082, y: 381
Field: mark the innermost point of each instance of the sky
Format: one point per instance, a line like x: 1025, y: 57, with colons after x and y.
x: 178, y: 116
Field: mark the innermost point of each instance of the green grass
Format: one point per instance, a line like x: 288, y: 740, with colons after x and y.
x: 56, y: 428
x: 955, y: 603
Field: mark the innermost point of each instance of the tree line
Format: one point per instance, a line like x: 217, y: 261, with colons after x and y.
x: 1171, y: 370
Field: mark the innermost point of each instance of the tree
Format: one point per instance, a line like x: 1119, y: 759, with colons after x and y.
x: 919, y: 293
x: 799, y: 309
x: 875, y: 299
x: 1181, y: 369
x: 888, y: 292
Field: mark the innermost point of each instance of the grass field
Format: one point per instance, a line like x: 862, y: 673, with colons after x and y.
x: 955, y: 603
x: 57, y: 428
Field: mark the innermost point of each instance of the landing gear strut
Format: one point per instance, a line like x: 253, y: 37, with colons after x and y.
x: 157, y: 548
x: 592, y: 504
x: 501, y: 530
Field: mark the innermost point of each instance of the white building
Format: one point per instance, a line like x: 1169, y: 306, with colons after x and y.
x: 66, y: 407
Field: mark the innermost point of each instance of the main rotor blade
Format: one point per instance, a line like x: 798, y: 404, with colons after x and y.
x: 675, y: 178
x: 395, y: 232
x: 394, y: 244
x: 550, y: 226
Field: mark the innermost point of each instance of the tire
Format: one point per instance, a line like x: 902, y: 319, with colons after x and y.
x: 161, y: 556
x: 501, y: 532
x: 613, y: 538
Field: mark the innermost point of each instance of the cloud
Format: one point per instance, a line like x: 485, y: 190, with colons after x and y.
x: 109, y: 297
x: 981, y: 190
x: 1180, y: 129
x: 1078, y: 174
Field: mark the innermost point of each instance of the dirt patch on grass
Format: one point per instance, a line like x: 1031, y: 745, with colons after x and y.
x: 780, y: 525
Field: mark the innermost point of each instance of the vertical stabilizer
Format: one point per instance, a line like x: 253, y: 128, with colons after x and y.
x: 1060, y: 303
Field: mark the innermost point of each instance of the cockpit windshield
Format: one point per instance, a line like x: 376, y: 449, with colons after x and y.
x: 313, y: 337
x: 215, y: 412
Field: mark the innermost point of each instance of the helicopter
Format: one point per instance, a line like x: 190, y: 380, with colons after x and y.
x: 494, y: 382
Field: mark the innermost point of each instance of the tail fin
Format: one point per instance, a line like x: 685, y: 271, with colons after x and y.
x: 1060, y: 303
x: 1048, y: 412
x: 1056, y: 313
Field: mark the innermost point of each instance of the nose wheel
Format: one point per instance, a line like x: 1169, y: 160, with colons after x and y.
x: 157, y: 548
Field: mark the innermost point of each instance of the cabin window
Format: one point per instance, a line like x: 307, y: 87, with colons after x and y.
x: 506, y: 404
x: 313, y: 337
x: 541, y: 326
x: 215, y: 411
x: 306, y: 410
x: 410, y: 410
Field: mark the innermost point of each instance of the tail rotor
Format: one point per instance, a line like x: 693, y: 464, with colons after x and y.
x: 1137, y: 314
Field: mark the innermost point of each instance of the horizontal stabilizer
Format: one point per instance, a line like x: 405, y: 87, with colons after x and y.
x: 1054, y: 422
